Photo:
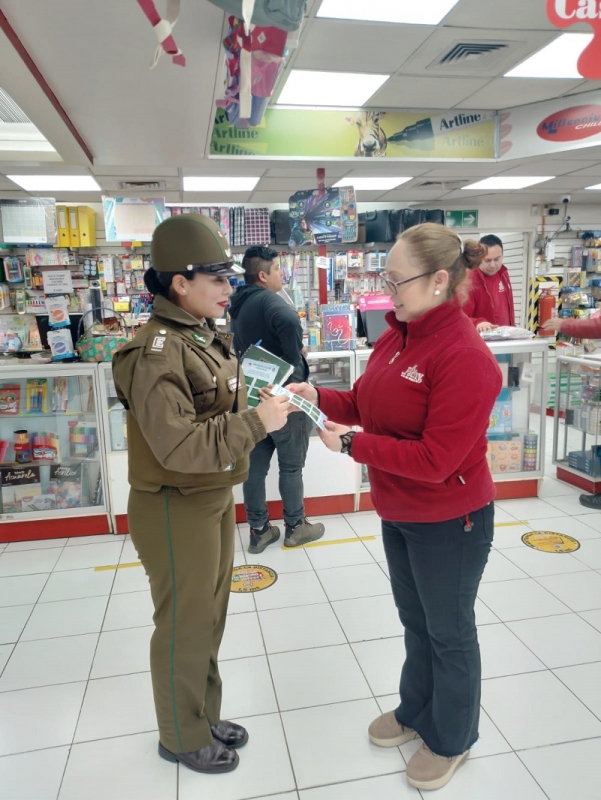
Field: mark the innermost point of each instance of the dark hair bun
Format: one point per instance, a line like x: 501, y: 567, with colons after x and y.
x: 152, y: 281
x: 473, y: 253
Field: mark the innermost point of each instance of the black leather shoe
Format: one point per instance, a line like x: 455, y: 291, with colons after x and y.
x: 230, y: 734
x: 591, y: 501
x: 214, y: 758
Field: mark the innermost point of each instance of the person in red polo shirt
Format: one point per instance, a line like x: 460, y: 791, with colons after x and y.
x: 424, y: 405
x: 490, y: 301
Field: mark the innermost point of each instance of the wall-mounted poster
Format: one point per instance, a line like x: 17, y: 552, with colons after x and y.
x: 132, y: 219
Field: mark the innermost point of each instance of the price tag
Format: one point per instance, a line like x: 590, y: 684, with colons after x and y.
x: 528, y: 373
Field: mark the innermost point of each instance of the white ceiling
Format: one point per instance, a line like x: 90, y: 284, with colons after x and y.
x: 140, y: 124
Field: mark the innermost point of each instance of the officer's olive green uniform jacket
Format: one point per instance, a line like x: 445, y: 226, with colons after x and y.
x: 179, y: 382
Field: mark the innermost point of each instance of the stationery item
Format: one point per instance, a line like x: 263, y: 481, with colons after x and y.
x: 310, y: 410
x: 10, y: 397
x: 45, y: 446
x: 36, y: 396
x: 19, y: 485
x: 4, y: 445
x: 65, y: 485
x: 62, y: 223
x: 40, y: 502
x: 260, y: 369
x: 4, y: 296
x: 83, y: 440
x: 74, y: 238
x: 87, y: 226
x: 60, y: 395
x: 61, y: 344
x: 58, y: 314
x: 22, y: 447
x: 13, y: 270
x: 338, y: 327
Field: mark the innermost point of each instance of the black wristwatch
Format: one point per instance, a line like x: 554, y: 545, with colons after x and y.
x: 347, y: 442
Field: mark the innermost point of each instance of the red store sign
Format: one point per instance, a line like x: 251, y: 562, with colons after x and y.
x: 571, y: 124
x: 564, y: 13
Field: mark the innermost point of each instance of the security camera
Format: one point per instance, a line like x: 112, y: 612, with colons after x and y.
x: 566, y: 198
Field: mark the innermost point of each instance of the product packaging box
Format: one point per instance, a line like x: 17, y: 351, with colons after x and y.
x: 504, y: 457
x: 65, y: 485
x: 20, y: 486
x: 501, y: 417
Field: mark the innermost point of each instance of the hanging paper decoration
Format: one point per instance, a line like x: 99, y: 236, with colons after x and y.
x: 163, y: 27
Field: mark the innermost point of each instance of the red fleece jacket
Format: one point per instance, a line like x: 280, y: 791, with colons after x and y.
x: 480, y: 305
x: 424, y: 404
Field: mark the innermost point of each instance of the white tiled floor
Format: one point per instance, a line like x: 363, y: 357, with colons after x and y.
x: 306, y: 665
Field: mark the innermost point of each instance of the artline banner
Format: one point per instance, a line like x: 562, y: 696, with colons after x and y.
x: 330, y: 135
x: 551, y: 127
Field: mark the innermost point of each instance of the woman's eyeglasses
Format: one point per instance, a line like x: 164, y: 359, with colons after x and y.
x: 393, y: 286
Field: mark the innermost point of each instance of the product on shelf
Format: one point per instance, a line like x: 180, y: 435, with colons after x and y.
x: 530, y: 452
x: 10, y: 399
x: 22, y: 447
x: 504, y: 456
x: 83, y: 440
x: 338, y: 327
x: 4, y: 445
x: 19, y: 486
x: 36, y: 396
x: 502, y: 414
x: 65, y: 485
x: 45, y: 446
x: 60, y: 395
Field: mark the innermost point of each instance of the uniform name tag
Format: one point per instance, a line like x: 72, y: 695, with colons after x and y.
x: 158, y: 344
x: 232, y: 384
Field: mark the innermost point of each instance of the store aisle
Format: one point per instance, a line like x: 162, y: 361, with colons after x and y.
x: 306, y: 666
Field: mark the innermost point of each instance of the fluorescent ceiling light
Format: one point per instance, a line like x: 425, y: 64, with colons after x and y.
x: 55, y: 183
x: 595, y: 188
x: 508, y: 183
x: 559, y: 59
x: 408, y: 12
x: 372, y: 184
x: 306, y: 87
x: 212, y: 184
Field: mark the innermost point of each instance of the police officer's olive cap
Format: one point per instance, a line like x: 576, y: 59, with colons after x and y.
x: 192, y: 242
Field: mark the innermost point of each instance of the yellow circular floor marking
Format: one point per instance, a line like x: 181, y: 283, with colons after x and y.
x: 252, y: 578
x: 549, y: 542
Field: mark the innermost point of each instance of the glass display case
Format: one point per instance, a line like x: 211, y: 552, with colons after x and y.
x: 577, y: 422
x: 51, y: 451
x: 332, y: 370
x: 115, y: 444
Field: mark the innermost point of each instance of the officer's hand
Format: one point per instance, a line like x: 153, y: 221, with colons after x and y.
x: 485, y: 326
x: 273, y: 412
x: 304, y: 390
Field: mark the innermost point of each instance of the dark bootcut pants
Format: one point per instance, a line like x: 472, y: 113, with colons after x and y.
x: 291, y: 444
x: 435, y: 570
x: 186, y: 545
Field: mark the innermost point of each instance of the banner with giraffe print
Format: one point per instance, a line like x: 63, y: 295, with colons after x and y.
x: 363, y: 133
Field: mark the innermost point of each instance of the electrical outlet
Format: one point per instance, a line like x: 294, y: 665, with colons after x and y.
x: 535, y: 211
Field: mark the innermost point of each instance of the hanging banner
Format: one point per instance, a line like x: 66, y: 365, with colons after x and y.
x: 564, y: 13
x: 551, y: 127
x: 394, y: 135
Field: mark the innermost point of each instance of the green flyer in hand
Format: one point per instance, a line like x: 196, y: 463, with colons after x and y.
x: 261, y: 368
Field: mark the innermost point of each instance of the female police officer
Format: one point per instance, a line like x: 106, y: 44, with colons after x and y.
x: 190, y: 434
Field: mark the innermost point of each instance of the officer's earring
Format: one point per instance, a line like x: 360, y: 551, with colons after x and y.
x: 437, y: 292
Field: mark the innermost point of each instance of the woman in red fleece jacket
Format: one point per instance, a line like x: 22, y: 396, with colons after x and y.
x: 424, y: 405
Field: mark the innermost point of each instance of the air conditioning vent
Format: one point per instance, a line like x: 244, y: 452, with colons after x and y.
x: 141, y: 186
x: 9, y: 110
x: 448, y: 186
x: 477, y: 54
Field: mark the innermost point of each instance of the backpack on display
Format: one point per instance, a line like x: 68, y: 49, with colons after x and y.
x: 412, y: 216
x: 280, y: 227
x: 377, y: 226
x: 436, y: 215
x: 285, y: 14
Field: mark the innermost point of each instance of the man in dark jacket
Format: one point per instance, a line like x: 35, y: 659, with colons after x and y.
x: 490, y: 302
x: 259, y: 314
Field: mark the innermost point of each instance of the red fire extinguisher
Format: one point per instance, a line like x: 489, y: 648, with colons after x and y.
x: 546, y: 310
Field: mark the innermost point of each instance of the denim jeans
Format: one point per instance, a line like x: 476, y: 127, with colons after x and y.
x: 435, y: 571
x: 291, y: 444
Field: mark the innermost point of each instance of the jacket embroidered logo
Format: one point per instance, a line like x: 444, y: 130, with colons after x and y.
x: 158, y: 343
x: 411, y: 374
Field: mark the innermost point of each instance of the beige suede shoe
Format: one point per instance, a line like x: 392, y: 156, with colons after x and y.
x: 385, y: 731
x: 426, y: 770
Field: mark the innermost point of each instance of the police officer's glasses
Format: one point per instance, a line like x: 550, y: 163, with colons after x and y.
x: 393, y: 286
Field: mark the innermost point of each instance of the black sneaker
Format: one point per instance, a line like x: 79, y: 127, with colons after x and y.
x: 591, y: 501
x: 260, y: 539
x: 303, y: 533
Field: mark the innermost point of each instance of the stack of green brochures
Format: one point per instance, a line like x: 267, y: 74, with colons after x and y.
x: 261, y: 368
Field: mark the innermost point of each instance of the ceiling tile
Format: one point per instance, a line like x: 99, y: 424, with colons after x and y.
x: 296, y: 171
x: 591, y: 171
x: 567, y: 182
x: 509, y: 92
x: 337, y: 45
x: 425, y: 61
x: 584, y: 87
x: 287, y: 184
x: 516, y: 14
x: 534, y: 168
x: 272, y: 197
x: 459, y: 170
x: 406, y: 91
x: 125, y: 173
x: 216, y: 199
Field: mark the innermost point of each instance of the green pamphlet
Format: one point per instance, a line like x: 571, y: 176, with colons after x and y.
x: 261, y: 368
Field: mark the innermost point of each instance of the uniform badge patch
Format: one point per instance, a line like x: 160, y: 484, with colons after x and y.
x: 158, y: 344
x: 198, y: 338
x: 232, y: 384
